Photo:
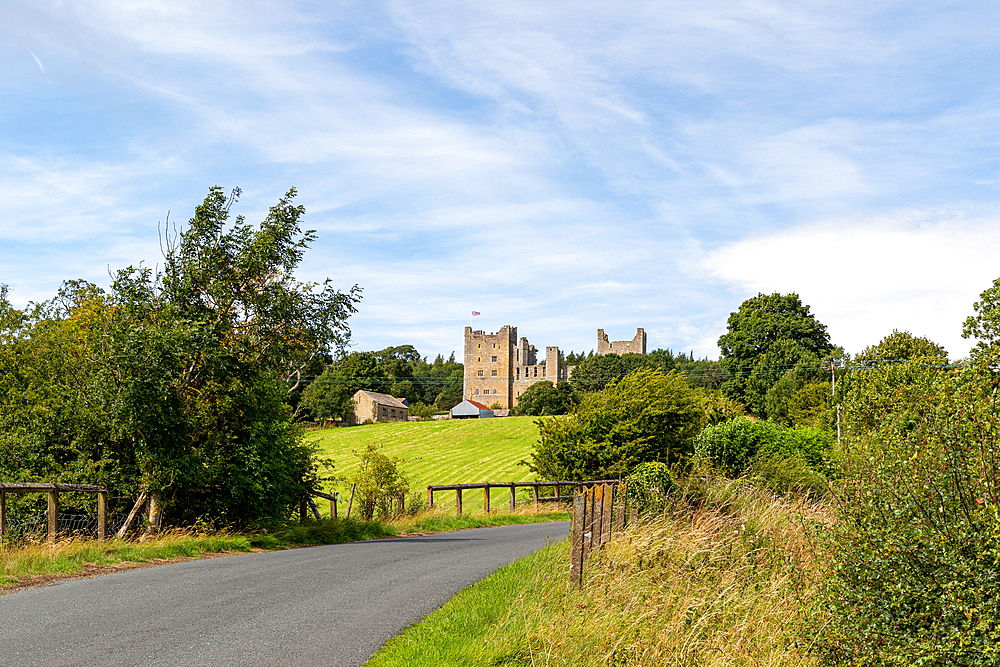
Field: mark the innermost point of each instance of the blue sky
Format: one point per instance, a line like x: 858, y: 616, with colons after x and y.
x: 561, y: 167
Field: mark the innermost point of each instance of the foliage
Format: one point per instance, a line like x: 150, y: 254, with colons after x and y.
x: 703, y: 373
x: 915, y: 571
x: 984, y: 325
x: 645, y: 416
x: 767, y: 336
x: 732, y: 446
x: 717, y: 407
x: 596, y: 372
x: 330, y: 395
x: 176, y: 380
x: 379, y: 483
x: 648, y: 485
x: 542, y: 398
x: 890, y: 381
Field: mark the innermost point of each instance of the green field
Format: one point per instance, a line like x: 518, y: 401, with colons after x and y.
x: 462, y: 451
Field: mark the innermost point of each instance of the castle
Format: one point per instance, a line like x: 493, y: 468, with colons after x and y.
x: 499, y: 366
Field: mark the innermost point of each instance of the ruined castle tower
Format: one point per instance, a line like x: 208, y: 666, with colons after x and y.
x: 636, y: 345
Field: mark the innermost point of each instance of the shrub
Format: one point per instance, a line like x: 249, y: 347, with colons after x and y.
x: 645, y: 416
x: 379, y: 482
x: 648, y: 486
x: 915, y: 570
x: 731, y: 445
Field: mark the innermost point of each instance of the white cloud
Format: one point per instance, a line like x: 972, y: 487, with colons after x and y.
x: 863, y: 277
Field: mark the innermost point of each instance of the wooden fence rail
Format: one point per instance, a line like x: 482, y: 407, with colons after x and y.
x: 53, y: 491
x: 512, y: 486
x: 599, y: 512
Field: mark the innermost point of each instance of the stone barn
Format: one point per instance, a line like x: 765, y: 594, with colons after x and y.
x: 373, y: 407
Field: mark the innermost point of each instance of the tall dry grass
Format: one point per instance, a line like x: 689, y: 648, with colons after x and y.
x: 727, y: 582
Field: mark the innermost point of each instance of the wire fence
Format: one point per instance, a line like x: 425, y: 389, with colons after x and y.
x: 34, y: 527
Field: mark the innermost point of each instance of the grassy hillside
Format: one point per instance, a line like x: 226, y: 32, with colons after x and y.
x: 439, y: 452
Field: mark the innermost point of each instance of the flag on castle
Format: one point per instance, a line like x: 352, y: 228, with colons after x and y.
x: 476, y: 312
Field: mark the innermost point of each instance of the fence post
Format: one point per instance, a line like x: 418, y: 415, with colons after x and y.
x: 458, y: 501
x: 3, y: 513
x: 333, y: 506
x: 430, y: 497
x: 512, y: 499
x: 622, y: 501
x: 534, y: 493
x: 557, y: 494
x: 486, y: 499
x: 102, y: 515
x: 53, y: 515
x: 588, y: 520
x: 606, y: 514
x: 576, y: 540
x: 350, y: 501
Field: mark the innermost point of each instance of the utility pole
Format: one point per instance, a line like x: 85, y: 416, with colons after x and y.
x: 834, y: 363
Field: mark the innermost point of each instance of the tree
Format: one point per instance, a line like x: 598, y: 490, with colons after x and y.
x: 984, y: 325
x: 329, y: 396
x: 542, y: 398
x: 763, y: 322
x: 596, y: 372
x: 175, y: 380
x: 645, y: 416
x: 890, y: 382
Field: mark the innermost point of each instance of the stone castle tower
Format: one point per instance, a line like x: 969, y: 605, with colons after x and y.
x: 499, y: 367
x: 637, y: 345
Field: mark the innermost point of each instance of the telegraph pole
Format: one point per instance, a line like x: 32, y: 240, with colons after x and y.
x: 834, y: 363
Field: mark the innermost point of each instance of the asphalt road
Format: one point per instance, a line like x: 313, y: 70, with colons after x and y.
x: 330, y: 605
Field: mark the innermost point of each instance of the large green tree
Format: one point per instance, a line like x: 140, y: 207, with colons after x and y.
x: 175, y: 381
x: 768, y: 335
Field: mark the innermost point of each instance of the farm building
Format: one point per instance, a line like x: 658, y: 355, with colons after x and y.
x: 371, y: 407
x: 470, y: 410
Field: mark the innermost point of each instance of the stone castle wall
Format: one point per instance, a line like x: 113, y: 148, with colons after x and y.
x: 499, y: 367
x: 637, y: 345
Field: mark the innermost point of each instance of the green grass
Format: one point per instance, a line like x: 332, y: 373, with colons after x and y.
x: 485, y: 624
x: 462, y: 451
x: 724, y: 583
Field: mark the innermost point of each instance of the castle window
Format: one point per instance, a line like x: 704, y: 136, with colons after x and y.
x: 494, y: 359
x: 494, y: 392
x: 479, y: 358
x: 476, y: 392
x: 493, y: 373
x: 478, y: 345
x: 480, y: 374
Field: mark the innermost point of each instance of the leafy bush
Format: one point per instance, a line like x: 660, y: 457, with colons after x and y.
x: 544, y: 398
x: 915, y: 571
x: 379, y: 483
x: 731, y: 445
x: 648, y: 485
x: 645, y: 416
x: 736, y: 446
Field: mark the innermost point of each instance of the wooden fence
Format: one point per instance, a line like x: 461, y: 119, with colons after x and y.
x: 53, y: 510
x: 599, y: 512
x: 512, y: 486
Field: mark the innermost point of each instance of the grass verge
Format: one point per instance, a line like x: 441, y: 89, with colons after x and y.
x: 727, y: 583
